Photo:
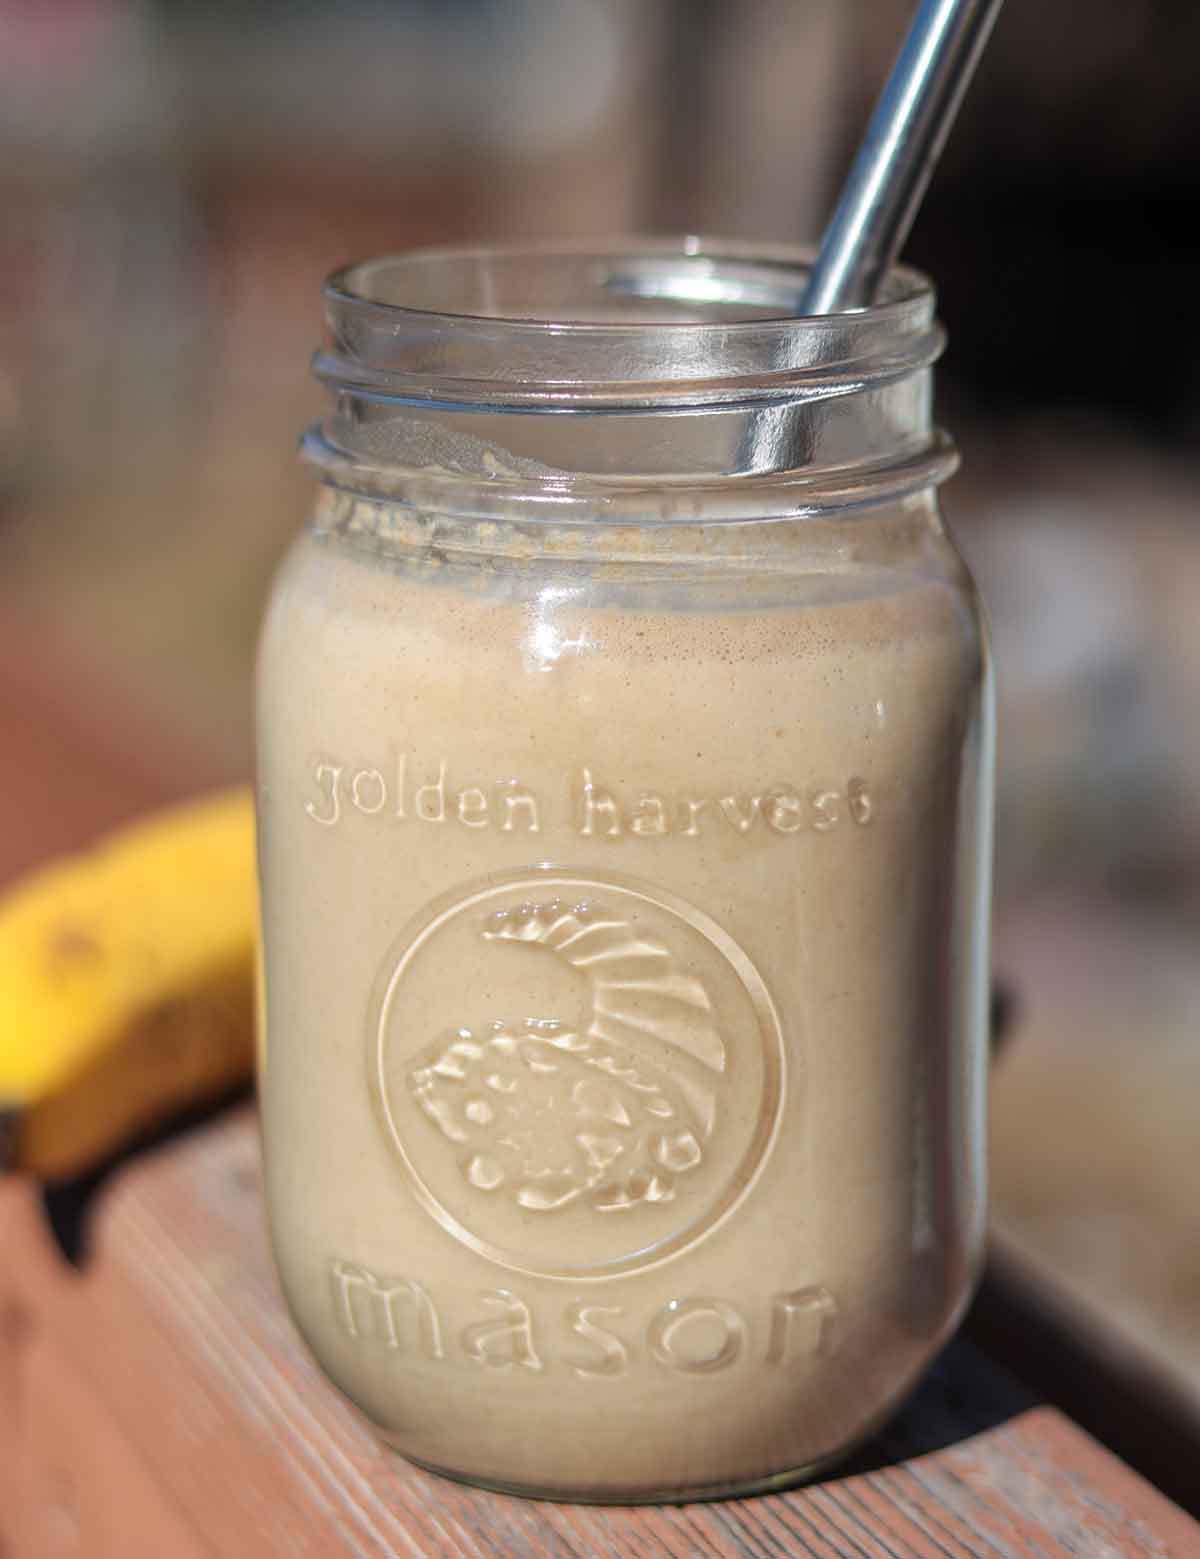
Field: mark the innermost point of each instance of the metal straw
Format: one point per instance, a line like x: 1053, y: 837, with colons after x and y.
x: 903, y: 142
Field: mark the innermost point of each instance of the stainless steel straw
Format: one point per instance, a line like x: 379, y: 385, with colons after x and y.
x: 903, y: 142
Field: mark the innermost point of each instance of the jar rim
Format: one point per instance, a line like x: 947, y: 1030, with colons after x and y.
x: 582, y: 366
x: 680, y: 319
x: 902, y: 287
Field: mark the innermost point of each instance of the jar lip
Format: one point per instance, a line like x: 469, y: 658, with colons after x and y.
x: 593, y: 362
x: 904, y: 287
x: 532, y: 325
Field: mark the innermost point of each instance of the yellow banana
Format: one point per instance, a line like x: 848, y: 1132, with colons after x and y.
x: 127, y: 983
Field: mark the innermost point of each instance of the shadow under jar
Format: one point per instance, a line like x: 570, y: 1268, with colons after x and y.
x: 625, y: 799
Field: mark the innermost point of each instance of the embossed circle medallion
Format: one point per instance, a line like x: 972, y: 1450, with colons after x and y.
x: 581, y: 1074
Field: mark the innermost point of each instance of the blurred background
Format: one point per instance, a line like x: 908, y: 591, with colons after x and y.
x: 177, y: 177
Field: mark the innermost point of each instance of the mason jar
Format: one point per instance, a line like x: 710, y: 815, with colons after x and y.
x: 625, y: 762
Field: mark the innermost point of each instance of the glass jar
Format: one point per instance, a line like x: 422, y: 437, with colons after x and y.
x: 625, y: 794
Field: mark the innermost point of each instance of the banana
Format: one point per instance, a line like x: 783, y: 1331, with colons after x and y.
x: 127, y: 984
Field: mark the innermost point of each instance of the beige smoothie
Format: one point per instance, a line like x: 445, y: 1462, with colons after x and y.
x: 623, y: 1083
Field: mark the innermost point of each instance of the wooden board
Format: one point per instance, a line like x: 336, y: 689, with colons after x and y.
x: 163, y: 1399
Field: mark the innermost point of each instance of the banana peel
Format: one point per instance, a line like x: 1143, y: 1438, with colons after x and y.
x: 127, y: 978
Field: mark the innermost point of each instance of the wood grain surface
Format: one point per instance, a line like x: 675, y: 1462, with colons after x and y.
x: 161, y: 1404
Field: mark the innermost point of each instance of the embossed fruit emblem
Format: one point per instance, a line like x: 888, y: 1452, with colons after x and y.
x: 615, y: 1113
x: 603, y: 1078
